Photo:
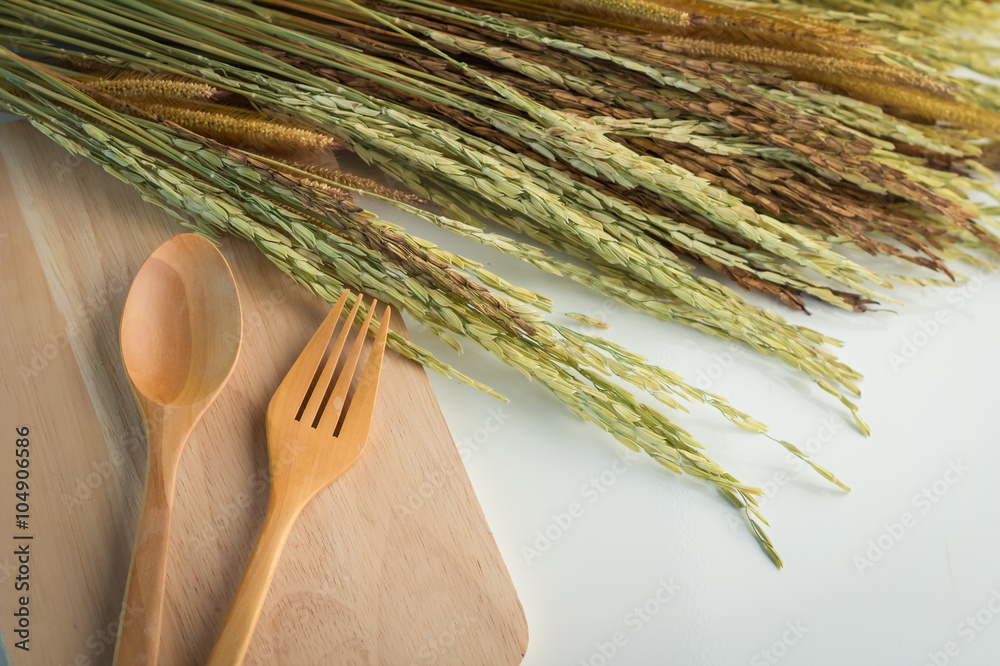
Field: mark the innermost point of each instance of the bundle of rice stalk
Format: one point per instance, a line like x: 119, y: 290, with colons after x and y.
x: 326, y: 244
x: 425, y: 154
x: 638, y: 156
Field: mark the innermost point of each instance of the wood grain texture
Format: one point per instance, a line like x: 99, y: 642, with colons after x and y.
x: 393, y: 564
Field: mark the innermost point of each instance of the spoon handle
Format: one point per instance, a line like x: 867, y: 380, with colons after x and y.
x: 142, y: 611
x: 237, y: 629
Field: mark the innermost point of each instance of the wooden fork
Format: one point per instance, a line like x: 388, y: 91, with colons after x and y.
x: 306, y: 454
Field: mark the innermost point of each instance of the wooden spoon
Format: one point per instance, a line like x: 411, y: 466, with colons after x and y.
x: 180, y: 337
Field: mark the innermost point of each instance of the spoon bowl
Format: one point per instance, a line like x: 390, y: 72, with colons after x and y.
x: 180, y: 337
x: 183, y: 297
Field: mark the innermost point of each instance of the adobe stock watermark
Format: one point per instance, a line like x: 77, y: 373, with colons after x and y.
x: 719, y: 366
x: 86, y: 485
x: 830, y: 426
x: 229, y: 512
x: 30, y: 27
x: 922, y: 501
x: 99, y: 643
x: 598, y: 316
x: 633, y: 622
x: 590, y: 492
x: 259, y: 318
x: 55, y: 342
x: 7, y: 569
x: 495, y: 420
x: 64, y: 166
x: 966, y: 631
x: 773, y: 653
x: 928, y: 329
x: 468, y: 445
x: 433, y: 650
x: 102, y: 641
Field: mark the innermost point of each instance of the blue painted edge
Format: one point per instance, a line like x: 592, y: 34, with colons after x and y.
x: 4, y: 655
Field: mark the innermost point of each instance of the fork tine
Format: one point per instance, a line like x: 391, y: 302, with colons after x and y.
x: 323, y: 383
x: 335, y: 405
x: 305, y: 366
x: 358, y: 420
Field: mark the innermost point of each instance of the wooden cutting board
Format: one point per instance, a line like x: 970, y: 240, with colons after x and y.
x: 393, y: 564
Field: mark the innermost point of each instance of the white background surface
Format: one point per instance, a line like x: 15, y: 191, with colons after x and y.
x: 862, y: 584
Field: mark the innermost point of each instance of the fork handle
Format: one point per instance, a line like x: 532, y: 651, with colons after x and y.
x: 237, y: 629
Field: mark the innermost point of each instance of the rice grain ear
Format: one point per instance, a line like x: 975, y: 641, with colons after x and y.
x: 364, y: 184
